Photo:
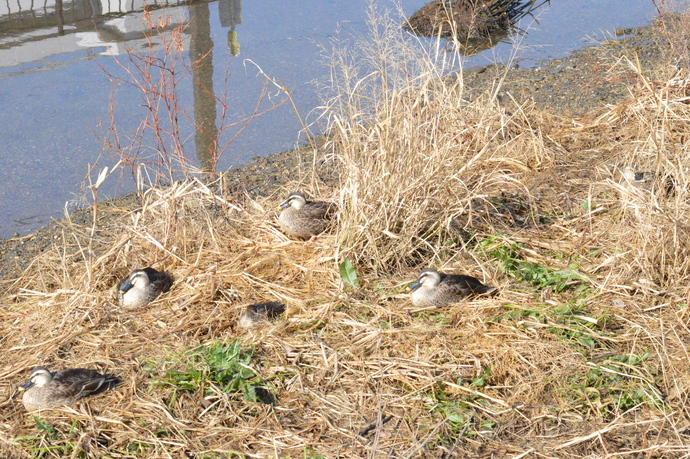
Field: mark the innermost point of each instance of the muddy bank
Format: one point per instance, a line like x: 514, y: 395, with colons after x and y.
x: 579, y: 85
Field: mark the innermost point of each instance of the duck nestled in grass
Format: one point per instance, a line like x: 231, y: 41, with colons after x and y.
x: 142, y: 286
x: 435, y: 289
x: 46, y: 389
x: 305, y: 219
x: 650, y: 181
x: 256, y: 314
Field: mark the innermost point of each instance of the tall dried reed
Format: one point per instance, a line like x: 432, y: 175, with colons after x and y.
x: 417, y: 157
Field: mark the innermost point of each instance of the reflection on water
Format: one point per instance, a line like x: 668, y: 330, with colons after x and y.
x: 56, y: 99
x: 230, y: 13
x: 472, y: 26
x: 30, y: 33
x: 201, y: 58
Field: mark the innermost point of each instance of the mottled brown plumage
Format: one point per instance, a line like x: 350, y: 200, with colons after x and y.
x: 304, y: 219
x: 435, y: 289
x: 650, y: 181
x: 46, y: 389
x: 256, y: 314
x: 142, y: 286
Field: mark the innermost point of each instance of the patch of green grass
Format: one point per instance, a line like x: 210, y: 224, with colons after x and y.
x: 615, y: 385
x: 459, y: 410
x: 50, y: 442
x: 568, y: 321
x: 480, y: 381
x: 309, y: 453
x: 434, y: 317
x: 218, y: 366
x: 46, y: 427
x: 455, y: 411
x: 510, y: 261
x: 138, y: 449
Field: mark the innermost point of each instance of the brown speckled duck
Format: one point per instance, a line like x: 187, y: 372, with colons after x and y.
x: 649, y: 181
x: 435, y: 289
x: 142, y: 286
x: 256, y: 314
x: 305, y: 219
x: 46, y: 389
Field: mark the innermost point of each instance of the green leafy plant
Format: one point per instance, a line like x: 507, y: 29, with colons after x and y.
x: 456, y: 412
x: 223, y: 367
x: 46, y: 427
x: 568, y: 321
x: 510, y: 261
x: 348, y: 273
x: 50, y: 441
x: 615, y: 385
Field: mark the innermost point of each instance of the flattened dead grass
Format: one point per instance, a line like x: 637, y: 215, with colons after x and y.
x: 583, y: 353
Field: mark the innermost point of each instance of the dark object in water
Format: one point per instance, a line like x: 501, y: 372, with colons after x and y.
x: 476, y: 24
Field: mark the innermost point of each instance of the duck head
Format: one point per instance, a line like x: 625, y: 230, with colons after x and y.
x: 138, y: 279
x: 428, y: 277
x: 296, y: 200
x: 39, y: 377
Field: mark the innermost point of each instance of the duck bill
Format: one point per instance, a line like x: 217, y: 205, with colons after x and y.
x: 415, y: 285
x: 285, y: 205
x: 27, y: 385
x: 125, y: 288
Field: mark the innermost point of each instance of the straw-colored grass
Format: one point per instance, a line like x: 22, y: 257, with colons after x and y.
x: 583, y: 353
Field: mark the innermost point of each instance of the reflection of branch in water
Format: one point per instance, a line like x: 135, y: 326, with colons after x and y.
x: 474, y: 25
x: 157, y: 74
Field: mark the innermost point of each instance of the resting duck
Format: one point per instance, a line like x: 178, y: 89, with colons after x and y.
x: 142, y: 286
x: 257, y: 314
x: 435, y: 289
x: 46, y: 388
x: 649, y: 181
x: 305, y: 219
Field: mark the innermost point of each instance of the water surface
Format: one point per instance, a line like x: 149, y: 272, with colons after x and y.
x: 55, y: 94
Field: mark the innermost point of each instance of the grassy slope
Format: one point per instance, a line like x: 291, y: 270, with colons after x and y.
x: 582, y: 354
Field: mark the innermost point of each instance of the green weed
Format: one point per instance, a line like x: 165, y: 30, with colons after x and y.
x: 348, y: 274
x: 568, y: 321
x: 51, y: 442
x: 618, y: 384
x: 480, y: 381
x: 46, y: 427
x: 455, y: 412
x: 223, y: 367
x: 510, y: 262
x: 309, y: 453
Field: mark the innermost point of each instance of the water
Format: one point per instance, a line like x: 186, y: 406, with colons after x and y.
x: 55, y: 94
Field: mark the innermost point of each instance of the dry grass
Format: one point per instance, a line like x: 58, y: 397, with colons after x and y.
x: 582, y: 354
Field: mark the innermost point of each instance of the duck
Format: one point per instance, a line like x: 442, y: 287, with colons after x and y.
x: 304, y: 219
x: 46, y: 389
x: 142, y: 286
x: 256, y: 314
x: 650, y: 181
x: 435, y: 289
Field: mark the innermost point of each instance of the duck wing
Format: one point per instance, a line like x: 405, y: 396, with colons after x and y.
x: 318, y: 210
x: 269, y: 310
x: 465, y: 285
x: 81, y: 382
x: 160, y: 280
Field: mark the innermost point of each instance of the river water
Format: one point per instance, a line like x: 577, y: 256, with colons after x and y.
x: 57, y: 100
